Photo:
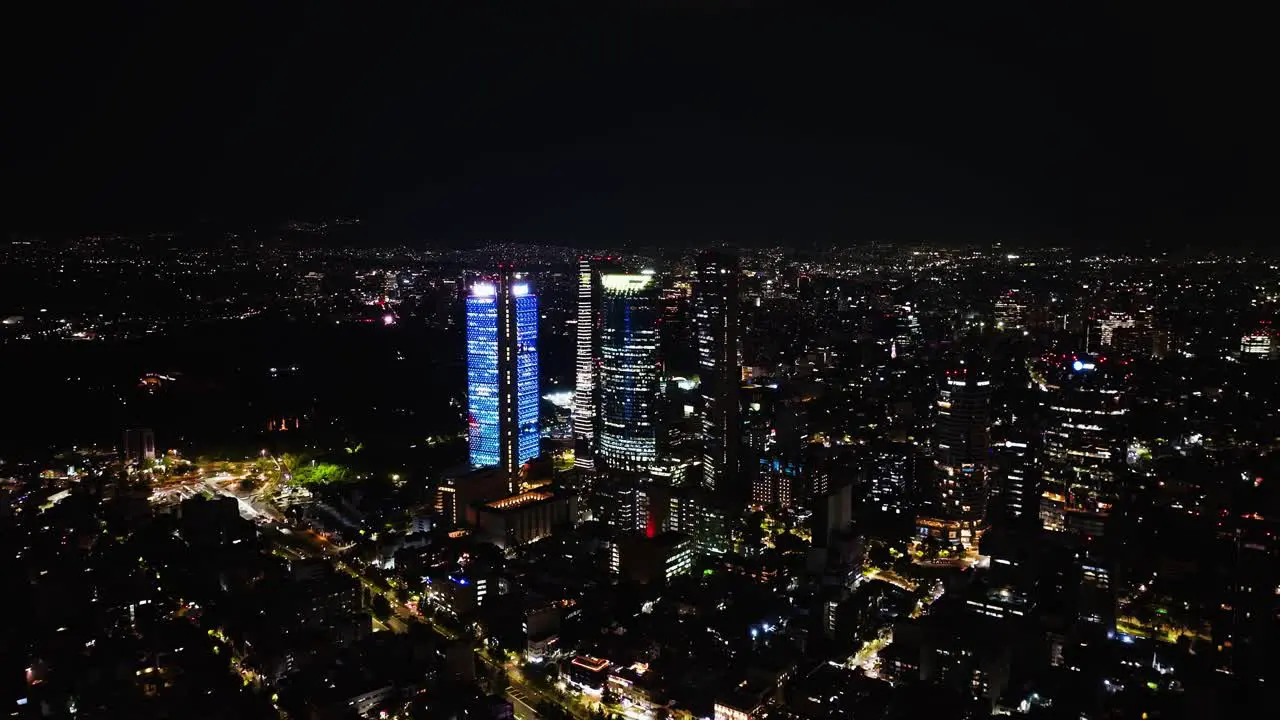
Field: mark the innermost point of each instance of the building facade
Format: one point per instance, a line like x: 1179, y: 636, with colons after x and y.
x: 629, y: 408
x: 957, y: 504
x: 502, y: 373
x: 717, y: 318
x: 1084, y: 407
x: 587, y: 358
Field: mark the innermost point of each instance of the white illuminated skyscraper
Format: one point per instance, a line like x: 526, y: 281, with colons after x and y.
x: 587, y: 361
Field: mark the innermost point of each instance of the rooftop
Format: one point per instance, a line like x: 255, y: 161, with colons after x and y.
x: 520, y: 500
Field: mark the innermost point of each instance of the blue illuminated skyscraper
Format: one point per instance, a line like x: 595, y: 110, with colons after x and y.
x: 502, y: 373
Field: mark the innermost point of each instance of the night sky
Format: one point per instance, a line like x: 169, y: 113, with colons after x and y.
x: 711, y: 124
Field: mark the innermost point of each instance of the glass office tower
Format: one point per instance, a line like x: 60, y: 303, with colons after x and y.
x: 502, y: 373
x: 629, y: 371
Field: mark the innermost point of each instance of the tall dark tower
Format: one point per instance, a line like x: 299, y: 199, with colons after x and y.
x: 1084, y: 403
x: 956, y: 508
x: 716, y: 316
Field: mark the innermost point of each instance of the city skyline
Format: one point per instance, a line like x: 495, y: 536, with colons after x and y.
x: 711, y: 360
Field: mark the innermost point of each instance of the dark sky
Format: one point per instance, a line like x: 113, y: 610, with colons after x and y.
x: 717, y: 123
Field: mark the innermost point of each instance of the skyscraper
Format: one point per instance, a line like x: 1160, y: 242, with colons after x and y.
x: 889, y: 472
x: 502, y: 372
x: 586, y: 391
x: 628, y: 371
x: 716, y: 316
x: 139, y: 445
x: 1083, y: 405
x: 957, y: 505
x: 1017, y: 483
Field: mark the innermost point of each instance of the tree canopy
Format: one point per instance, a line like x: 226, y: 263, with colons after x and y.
x: 321, y: 474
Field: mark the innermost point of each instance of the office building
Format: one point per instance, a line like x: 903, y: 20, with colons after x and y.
x: 1017, y: 481
x: 1084, y: 407
x: 589, y: 672
x: 524, y: 518
x: 677, y: 339
x: 621, y: 500
x: 1260, y: 342
x: 956, y: 506
x: 646, y: 559
x: 832, y: 514
x: 777, y: 483
x: 629, y: 372
x: 699, y: 514
x: 312, y: 285
x: 1113, y: 321
x: 906, y: 331
x: 458, y: 594
x: 455, y: 494
x: 587, y: 360
x: 139, y: 445
x: 716, y: 316
x: 502, y: 372
x: 889, y: 472
x: 1010, y: 311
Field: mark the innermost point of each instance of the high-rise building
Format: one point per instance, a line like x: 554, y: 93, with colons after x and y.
x: 832, y: 514
x: 889, y: 473
x: 621, y: 500
x: 778, y: 483
x: 1009, y: 311
x: 1083, y: 405
x: 1016, y: 482
x: 1260, y: 342
x: 312, y: 284
x: 502, y: 372
x: 701, y: 515
x: 628, y: 431
x: 906, y: 331
x: 956, y: 506
x: 1113, y: 321
x: 716, y: 316
x: 679, y: 351
x: 587, y: 360
x: 139, y: 445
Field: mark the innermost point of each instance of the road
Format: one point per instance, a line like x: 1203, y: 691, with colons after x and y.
x: 530, y: 693
x: 295, y: 542
x: 522, y: 704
